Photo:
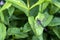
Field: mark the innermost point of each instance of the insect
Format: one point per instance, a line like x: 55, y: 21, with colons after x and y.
x: 1, y: 2
x: 39, y: 22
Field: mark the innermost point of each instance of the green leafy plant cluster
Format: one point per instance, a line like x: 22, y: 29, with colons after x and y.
x: 30, y: 20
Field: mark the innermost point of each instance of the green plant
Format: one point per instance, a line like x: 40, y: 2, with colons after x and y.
x: 30, y: 20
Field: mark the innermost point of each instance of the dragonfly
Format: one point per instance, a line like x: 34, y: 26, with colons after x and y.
x: 39, y: 22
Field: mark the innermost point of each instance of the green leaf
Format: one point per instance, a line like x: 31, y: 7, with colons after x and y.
x: 26, y: 28
x: 37, y: 37
x: 2, y: 31
x: 11, y: 10
x: 48, y: 18
x: 43, y: 6
x: 56, y: 30
x: 21, y: 35
x: 13, y: 31
x: 31, y: 22
x: 16, y: 31
x: 33, y: 12
x: 2, y: 16
x: 45, y: 18
x: 34, y: 38
x: 6, y: 18
x: 40, y: 37
x: 53, y: 9
x: 37, y: 29
x: 55, y: 22
x: 56, y: 3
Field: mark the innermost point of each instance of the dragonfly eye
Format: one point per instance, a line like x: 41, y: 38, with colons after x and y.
x: 1, y: 2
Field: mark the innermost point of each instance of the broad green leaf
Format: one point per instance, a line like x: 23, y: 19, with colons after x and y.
x: 11, y: 10
x: 48, y: 18
x: 43, y: 6
x: 31, y: 22
x: 55, y: 22
x: 44, y: 19
x: 5, y: 6
x: 38, y: 26
x: 16, y: 31
x: 4, y: 17
x: 13, y: 31
x: 2, y: 31
x: 37, y: 29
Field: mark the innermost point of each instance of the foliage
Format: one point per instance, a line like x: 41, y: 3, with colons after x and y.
x: 30, y: 20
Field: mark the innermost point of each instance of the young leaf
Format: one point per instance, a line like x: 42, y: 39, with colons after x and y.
x: 11, y: 10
